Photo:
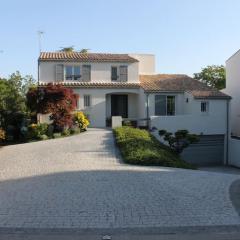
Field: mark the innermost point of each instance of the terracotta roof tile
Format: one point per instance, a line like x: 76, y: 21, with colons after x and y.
x: 85, y: 57
x: 179, y: 83
x: 94, y: 85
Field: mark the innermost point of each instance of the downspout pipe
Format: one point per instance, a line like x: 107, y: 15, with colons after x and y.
x: 228, y: 134
x: 148, y: 120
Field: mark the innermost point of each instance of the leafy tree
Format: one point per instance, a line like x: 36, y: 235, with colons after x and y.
x: 84, y: 50
x: 57, y: 100
x: 67, y: 49
x: 13, y: 102
x: 180, y: 140
x: 71, y: 49
x: 214, y: 76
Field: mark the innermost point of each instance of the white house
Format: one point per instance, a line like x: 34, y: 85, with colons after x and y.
x: 232, y: 88
x: 126, y: 85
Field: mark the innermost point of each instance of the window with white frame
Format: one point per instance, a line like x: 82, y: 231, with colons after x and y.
x: 164, y: 105
x: 72, y: 73
x: 119, y: 73
x: 86, y: 101
x: 204, y: 107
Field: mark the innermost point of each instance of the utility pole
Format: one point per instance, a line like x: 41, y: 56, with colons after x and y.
x: 40, y: 33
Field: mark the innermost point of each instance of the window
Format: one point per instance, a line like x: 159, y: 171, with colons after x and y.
x: 164, y: 105
x: 114, y: 76
x: 72, y: 73
x: 86, y: 101
x: 204, y: 107
x: 123, y: 73
x: 68, y: 72
x: 76, y: 73
x: 119, y: 73
x: 170, y: 105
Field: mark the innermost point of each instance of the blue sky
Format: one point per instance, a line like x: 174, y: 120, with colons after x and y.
x: 185, y: 35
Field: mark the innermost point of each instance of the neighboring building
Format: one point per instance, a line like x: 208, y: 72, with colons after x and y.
x: 232, y: 88
x: 126, y: 85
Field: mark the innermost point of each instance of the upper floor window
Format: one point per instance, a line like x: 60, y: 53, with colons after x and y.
x: 72, y: 73
x: 204, y: 107
x: 119, y: 73
x: 164, y: 105
x: 114, y: 73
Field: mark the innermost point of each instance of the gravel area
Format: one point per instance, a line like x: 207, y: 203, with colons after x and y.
x: 79, y: 182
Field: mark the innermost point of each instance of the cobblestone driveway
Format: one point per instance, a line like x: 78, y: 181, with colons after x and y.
x: 78, y: 182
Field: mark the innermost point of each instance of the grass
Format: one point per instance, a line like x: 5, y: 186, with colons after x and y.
x: 139, y: 147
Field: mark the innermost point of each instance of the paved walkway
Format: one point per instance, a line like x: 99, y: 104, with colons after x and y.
x: 78, y: 182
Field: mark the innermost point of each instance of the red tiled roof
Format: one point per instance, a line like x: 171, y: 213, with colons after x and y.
x: 179, y: 83
x: 85, y: 57
x: 95, y: 85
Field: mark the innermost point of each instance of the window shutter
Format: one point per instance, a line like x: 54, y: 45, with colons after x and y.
x: 86, y: 73
x: 123, y: 73
x: 59, y: 74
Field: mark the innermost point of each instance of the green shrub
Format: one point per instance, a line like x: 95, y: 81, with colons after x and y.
x: 74, y: 130
x: 43, y: 137
x: 50, y: 131
x: 140, y: 147
x: 36, y: 130
x: 57, y: 135
x: 65, y: 132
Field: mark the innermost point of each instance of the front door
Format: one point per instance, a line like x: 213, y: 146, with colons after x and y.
x: 119, y: 105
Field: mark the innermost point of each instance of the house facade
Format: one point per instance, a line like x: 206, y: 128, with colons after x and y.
x: 127, y: 85
x: 232, y: 88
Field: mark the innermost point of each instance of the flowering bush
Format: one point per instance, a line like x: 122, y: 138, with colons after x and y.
x: 81, y: 120
x: 37, y: 130
x: 2, y: 134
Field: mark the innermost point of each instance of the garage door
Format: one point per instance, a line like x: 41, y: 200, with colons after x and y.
x: 208, y: 151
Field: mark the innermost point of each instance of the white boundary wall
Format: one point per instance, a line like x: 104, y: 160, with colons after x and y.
x: 234, y: 152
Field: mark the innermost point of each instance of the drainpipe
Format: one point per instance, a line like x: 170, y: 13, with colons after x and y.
x: 148, y: 121
x: 227, y: 137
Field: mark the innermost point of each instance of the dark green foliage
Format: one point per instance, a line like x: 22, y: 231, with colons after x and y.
x: 74, y: 130
x: 140, y: 147
x: 43, y: 137
x: 50, y: 130
x: 180, y: 140
x: 57, y: 135
x: 214, y: 76
x: 65, y: 132
x: 13, y: 108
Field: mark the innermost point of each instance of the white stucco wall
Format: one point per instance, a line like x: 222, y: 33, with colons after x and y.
x: 188, y: 116
x: 234, y: 152
x: 232, y: 89
x: 100, y: 72
x: 146, y: 63
x: 101, y: 105
x: 198, y: 124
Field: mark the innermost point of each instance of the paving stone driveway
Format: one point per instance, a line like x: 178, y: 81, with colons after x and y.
x: 78, y: 182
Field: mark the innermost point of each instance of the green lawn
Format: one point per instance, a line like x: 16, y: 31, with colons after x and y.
x: 141, y: 148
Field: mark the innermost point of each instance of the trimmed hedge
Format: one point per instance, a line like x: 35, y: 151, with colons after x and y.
x: 141, y: 148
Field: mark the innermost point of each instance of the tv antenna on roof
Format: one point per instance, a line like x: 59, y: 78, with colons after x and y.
x: 40, y: 34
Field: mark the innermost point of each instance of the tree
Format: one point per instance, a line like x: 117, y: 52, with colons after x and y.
x: 214, y: 76
x: 71, y: 49
x: 84, y: 50
x: 67, y: 49
x: 57, y: 100
x: 180, y: 140
x: 13, y: 102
